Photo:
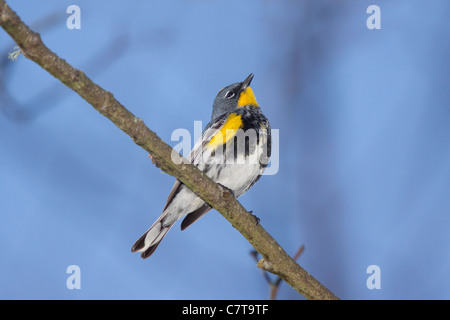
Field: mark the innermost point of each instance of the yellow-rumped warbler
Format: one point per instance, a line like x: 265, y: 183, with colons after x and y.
x: 233, y: 151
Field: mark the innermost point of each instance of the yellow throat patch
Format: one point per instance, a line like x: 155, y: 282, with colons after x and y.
x: 228, y: 130
x: 247, y: 97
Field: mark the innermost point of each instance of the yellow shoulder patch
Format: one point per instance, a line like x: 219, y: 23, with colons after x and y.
x: 247, y: 97
x: 228, y: 130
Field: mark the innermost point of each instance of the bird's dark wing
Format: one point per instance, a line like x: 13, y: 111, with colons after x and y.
x: 173, y: 192
x: 195, y: 215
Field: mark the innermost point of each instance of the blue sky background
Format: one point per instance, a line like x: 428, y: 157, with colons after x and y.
x: 363, y: 117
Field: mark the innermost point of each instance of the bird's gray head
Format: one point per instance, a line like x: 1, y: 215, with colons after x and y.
x: 234, y: 96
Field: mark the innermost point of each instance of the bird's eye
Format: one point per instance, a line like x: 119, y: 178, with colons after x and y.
x: 229, y: 94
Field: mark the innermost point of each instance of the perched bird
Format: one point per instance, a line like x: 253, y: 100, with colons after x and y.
x: 233, y: 151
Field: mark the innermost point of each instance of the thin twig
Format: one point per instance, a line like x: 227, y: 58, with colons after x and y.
x: 274, y: 285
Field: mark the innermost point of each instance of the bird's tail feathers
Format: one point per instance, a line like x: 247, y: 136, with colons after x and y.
x: 150, y: 240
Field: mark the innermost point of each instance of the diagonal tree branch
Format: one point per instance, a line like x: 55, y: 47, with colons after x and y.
x: 275, y: 259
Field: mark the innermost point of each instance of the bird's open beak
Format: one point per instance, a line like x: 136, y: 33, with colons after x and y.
x: 247, y: 81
